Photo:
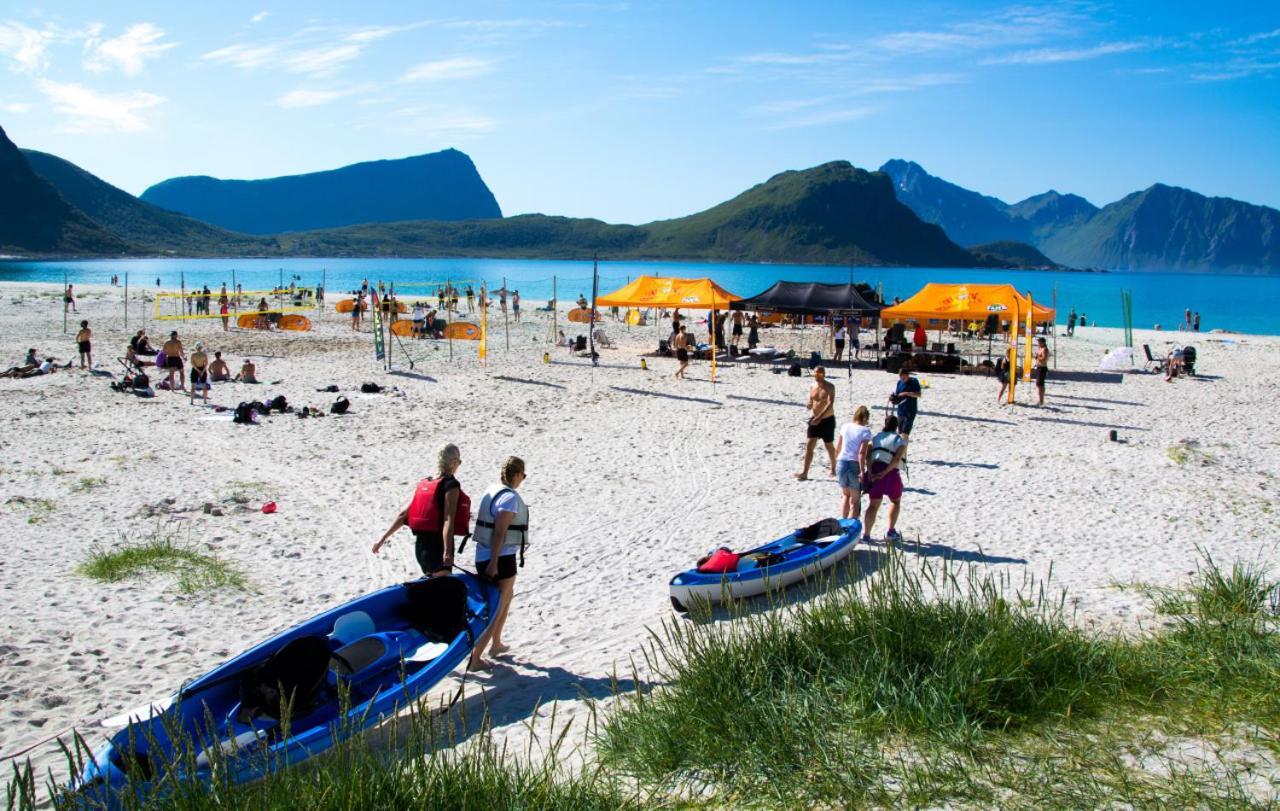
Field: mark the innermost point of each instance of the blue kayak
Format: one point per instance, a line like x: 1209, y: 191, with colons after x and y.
x: 774, y: 565
x: 340, y: 672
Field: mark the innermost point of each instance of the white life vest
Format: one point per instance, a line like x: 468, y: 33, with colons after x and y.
x: 516, y: 534
x: 884, y: 446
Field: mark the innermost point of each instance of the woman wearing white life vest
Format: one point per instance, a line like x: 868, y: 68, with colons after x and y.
x: 438, y: 512
x: 502, y: 524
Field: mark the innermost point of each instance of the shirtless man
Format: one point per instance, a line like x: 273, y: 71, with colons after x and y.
x: 737, y: 330
x: 219, y: 372
x: 173, y: 354
x: 822, y: 422
x: 84, y: 342
x: 1041, y: 357
x: 682, y: 352
x: 248, y: 373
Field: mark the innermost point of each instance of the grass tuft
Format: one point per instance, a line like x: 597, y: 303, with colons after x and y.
x: 161, y: 554
x: 37, y: 509
x: 88, y: 483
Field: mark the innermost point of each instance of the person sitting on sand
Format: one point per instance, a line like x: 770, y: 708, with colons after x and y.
x: 199, y: 373
x: 248, y: 372
x: 26, y: 369
x: 141, y: 345
x: 885, y: 458
x: 1173, y: 363
x: 173, y: 354
x: 502, y: 527
x: 582, y: 301
x: 219, y: 372
x: 84, y: 342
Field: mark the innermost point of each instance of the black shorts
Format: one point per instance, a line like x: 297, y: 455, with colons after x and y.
x: 199, y: 375
x: 84, y: 347
x: 682, y: 355
x: 172, y: 362
x: 429, y: 549
x: 506, y: 568
x: 906, y: 419
x: 839, y: 344
x: 1041, y: 373
x: 737, y: 330
x: 824, y: 430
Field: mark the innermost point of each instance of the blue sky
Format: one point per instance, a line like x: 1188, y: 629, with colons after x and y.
x: 634, y: 111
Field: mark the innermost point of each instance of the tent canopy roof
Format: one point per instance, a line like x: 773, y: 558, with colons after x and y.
x: 662, y: 291
x: 808, y: 298
x: 973, y: 302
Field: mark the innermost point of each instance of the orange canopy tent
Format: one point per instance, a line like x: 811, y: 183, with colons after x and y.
x: 966, y: 302
x: 660, y: 291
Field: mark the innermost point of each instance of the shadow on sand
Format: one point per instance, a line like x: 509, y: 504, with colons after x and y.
x: 413, y: 375
x: 1088, y: 424
x: 944, y: 463
x: 648, y: 393
x: 966, y: 418
x: 764, y: 400
x: 529, y: 382
x: 938, y: 550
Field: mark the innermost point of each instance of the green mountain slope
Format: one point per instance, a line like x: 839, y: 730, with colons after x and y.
x: 34, y: 218
x: 832, y: 214
x: 1166, y: 227
x: 149, y: 228
x: 1011, y: 254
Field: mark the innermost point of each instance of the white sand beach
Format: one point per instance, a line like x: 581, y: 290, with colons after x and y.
x: 632, y: 475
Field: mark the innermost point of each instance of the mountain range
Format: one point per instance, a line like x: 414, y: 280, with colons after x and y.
x: 1159, y: 228
x: 439, y: 186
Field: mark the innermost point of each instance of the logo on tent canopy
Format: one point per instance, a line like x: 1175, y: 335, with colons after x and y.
x: 689, y: 299
x: 996, y: 308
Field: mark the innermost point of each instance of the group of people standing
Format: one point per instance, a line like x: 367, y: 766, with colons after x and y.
x: 440, y: 511
x: 860, y: 460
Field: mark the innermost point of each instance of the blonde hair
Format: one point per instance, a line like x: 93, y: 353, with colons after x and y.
x: 448, y: 455
x: 510, y: 468
x: 862, y: 415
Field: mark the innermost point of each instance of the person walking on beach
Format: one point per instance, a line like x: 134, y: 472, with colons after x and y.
x: 737, y: 331
x: 1186, y: 323
x: 515, y: 305
x: 173, y: 355
x: 822, y: 421
x: 69, y: 301
x: 199, y: 373
x: 224, y: 308
x: 471, y: 299
x: 682, y: 352
x: 851, y: 460
x: 1041, y: 358
x: 1071, y: 323
x: 906, y: 396
x: 753, y: 333
x: 1002, y: 374
x: 884, y: 456
x: 1195, y: 322
x: 502, y: 529
x: 84, y: 342
x: 840, y: 337
x: 433, y: 516
x: 357, y: 304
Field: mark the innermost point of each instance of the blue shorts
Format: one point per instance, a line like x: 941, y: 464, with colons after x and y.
x: 906, y: 420
x: 847, y: 473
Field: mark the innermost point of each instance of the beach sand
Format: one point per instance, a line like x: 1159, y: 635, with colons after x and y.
x: 632, y: 475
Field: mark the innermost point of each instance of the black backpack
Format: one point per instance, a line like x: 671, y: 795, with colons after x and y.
x: 141, y: 381
x: 244, y: 414
x: 340, y: 406
x: 795, y: 370
x: 280, y: 404
x: 370, y: 388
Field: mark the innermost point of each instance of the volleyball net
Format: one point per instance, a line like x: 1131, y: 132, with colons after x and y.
x: 193, y: 304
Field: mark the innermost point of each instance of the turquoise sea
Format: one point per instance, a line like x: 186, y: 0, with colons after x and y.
x: 1234, y: 302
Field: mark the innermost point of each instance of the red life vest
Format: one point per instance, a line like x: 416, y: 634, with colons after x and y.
x: 720, y: 561
x: 425, y: 515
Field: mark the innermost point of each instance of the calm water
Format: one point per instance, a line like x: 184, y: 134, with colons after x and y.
x: 1240, y: 303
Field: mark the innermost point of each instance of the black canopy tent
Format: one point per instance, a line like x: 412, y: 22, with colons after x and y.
x: 815, y: 298
x: 811, y: 298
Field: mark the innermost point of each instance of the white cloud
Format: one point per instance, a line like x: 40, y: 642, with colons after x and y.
x: 27, y: 47
x: 314, y: 97
x: 88, y: 111
x: 127, y: 52
x: 442, y: 121
x: 461, y: 67
x: 1043, y: 56
x: 16, y: 108
x: 821, y: 118
x: 260, y: 16
x: 318, y: 52
x: 1253, y: 39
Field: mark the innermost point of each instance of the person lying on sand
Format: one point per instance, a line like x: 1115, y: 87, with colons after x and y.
x: 219, y: 372
x: 248, y: 372
x: 34, y: 367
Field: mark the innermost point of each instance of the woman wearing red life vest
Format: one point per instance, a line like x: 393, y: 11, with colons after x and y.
x: 438, y: 513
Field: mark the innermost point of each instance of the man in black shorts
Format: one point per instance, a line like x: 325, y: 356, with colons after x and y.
x: 822, y: 421
x: 1041, y: 357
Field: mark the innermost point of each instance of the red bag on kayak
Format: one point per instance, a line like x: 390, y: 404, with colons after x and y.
x: 720, y: 561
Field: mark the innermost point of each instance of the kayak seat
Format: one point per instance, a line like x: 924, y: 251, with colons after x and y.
x: 291, y: 676
x: 437, y: 608
x: 363, y: 664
